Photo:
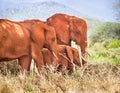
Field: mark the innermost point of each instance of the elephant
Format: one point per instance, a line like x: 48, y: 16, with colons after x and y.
x: 70, y: 28
x: 67, y: 57
x: 42, y: 36
x: 15, y: 43
x: 24, y: 40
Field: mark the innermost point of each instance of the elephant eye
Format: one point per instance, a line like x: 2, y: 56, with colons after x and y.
x: 77, y: 32
x: 53, y: 39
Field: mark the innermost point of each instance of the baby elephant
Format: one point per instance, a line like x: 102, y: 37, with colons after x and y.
x: 68, y: 57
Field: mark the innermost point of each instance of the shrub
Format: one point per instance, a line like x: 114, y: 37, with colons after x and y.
x: 9, y: 67
x: 113, y: 44
x: 105, y: 32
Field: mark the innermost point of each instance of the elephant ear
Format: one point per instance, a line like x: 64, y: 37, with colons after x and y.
x: 72, y: 23
x: 69, y: 53
x: 75, y: 24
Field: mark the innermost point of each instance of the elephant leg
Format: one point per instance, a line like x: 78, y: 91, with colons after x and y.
x: 39, y: 61
x: 25, y: 62
x: 37, y: 56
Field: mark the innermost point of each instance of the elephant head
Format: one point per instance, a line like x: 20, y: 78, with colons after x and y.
x: 73, y: 56
x: 78, y: 33
x: 41, y: 35
x: 70, y: 28
x: 68, y: 57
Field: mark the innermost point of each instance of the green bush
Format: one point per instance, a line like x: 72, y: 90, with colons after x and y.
x: 105, y: 32
x: 114, y: 44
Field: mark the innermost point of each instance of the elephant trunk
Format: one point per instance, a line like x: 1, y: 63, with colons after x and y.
x: 54, y: 52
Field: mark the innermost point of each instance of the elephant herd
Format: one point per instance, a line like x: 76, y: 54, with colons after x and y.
x: 46, y: 42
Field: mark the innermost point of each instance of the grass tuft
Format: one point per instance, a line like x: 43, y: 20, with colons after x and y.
x: 98, y: 78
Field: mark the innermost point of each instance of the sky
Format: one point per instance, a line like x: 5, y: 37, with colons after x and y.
x: 98, y: 9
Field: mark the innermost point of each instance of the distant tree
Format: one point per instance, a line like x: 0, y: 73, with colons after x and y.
x: 117, y: 9
x: 105, y: 32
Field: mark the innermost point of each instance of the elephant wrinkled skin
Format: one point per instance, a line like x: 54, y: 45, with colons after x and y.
x: 15, y: 43
x: 70, y: 28
x: 24, y: 40
x: 67, y: 57
x: 42, y: 35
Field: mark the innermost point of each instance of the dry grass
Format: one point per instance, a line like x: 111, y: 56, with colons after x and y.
x: 98, y: 78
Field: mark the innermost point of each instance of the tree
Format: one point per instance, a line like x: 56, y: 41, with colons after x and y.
x: 117, y: 9
x: 105, y: 32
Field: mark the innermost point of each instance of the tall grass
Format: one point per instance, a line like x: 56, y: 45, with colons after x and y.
x: 98, y: 78
x: 101, y: 76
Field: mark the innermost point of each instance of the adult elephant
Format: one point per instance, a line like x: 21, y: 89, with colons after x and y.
x: 42, y: 35
x: 70, y: 28
x: 15, y: 43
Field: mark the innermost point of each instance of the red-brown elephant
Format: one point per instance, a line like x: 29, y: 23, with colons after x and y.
x: 42, y: 35
x: 66, y: 58
x: 15, y: 43
x: 20, y: 40
x: 70, y: 28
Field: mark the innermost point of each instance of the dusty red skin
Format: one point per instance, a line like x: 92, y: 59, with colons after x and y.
x: 70, y: 28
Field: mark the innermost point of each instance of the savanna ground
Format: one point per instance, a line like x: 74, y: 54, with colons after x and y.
x: 101, y: 76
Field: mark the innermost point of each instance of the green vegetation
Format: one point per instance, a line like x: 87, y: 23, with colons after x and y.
x: 99, y: 54
x: 114, y: 44
x: 105, y: 33
x: 105, y: 43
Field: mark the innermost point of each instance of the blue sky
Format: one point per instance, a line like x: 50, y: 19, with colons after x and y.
x: 98, y: 9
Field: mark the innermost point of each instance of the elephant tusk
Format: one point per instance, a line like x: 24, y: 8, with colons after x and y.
x: 79, y: 49
x: 64, y: 56
x: 69, y: 60
x: 55, y: 55
x: 83, y: 58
